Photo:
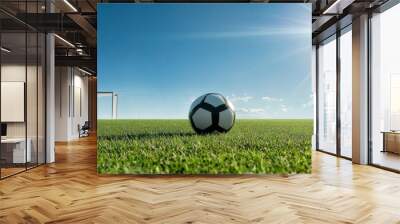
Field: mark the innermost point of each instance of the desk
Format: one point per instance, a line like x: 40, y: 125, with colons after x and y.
x: 13, y: 150
x: 391, y: 141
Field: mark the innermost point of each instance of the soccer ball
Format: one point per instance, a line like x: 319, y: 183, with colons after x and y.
x: 211, y: 112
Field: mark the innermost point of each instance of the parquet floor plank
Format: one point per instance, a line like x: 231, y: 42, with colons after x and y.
x: 70, y: 191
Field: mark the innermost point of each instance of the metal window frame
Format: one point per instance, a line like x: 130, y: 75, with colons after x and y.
x: 387, y: 5
x: 114, y: 102
x: 339, y: 32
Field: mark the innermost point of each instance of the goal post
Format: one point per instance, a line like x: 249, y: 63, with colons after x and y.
x: 114, y: 102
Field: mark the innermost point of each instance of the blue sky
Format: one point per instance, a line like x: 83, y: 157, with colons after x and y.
x: 159, y: 57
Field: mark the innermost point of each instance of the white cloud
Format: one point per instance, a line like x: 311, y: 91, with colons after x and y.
x: 256, y: 110
x: 251, y: 110
x: 310, y: 102
x: 271, y: 99
x: 252, y: 32
x: 284, y: 108
x: 245, y: 98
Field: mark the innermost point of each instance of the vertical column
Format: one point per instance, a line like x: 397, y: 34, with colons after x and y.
x: 114, y: 106
x: 360, y: 90
x: 338, y: 91
x: 92, y: 102
x: 317, y: 94
x: 314, y: 92
x: 50, y: 99
x: 50, y: 92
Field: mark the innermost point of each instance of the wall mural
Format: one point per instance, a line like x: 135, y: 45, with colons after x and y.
x: 204, y: 89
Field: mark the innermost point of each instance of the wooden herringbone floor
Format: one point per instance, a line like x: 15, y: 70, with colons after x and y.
x: 70, y: 191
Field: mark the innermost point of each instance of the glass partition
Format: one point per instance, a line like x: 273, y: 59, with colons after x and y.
x: 23, y: 91
x: 14, y: 153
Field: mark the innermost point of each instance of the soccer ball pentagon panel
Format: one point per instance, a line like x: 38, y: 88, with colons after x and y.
x: 211, y: 112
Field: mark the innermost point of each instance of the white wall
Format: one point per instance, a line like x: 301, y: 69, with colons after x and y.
x: 70, y: 83
x: 78, y: 117
x: 62, y: 82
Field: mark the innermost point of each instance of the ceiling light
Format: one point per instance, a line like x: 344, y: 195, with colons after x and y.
x: 5, y: 50
x: 337, y: 7
x: 65, y: 41
x: 70, y: 5
x: 327, y: 11
x: 84, y: 71
x: 79, y: 51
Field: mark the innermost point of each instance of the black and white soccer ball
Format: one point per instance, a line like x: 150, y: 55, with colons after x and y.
x: 212, y: 112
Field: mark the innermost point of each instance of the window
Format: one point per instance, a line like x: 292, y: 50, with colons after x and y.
x: 327, y: 96
x: 346, y: 93
x: 385, y: 89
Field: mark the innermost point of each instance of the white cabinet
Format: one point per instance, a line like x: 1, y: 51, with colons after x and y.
x: 17, y: 145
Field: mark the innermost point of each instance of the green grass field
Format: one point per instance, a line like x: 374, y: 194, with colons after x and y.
x: 172, y: 147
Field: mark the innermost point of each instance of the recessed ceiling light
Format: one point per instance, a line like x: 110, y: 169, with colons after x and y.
x: 337, y: 7
x: 64, y: 40
x: 84, y: 71
x: 70, y: 5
